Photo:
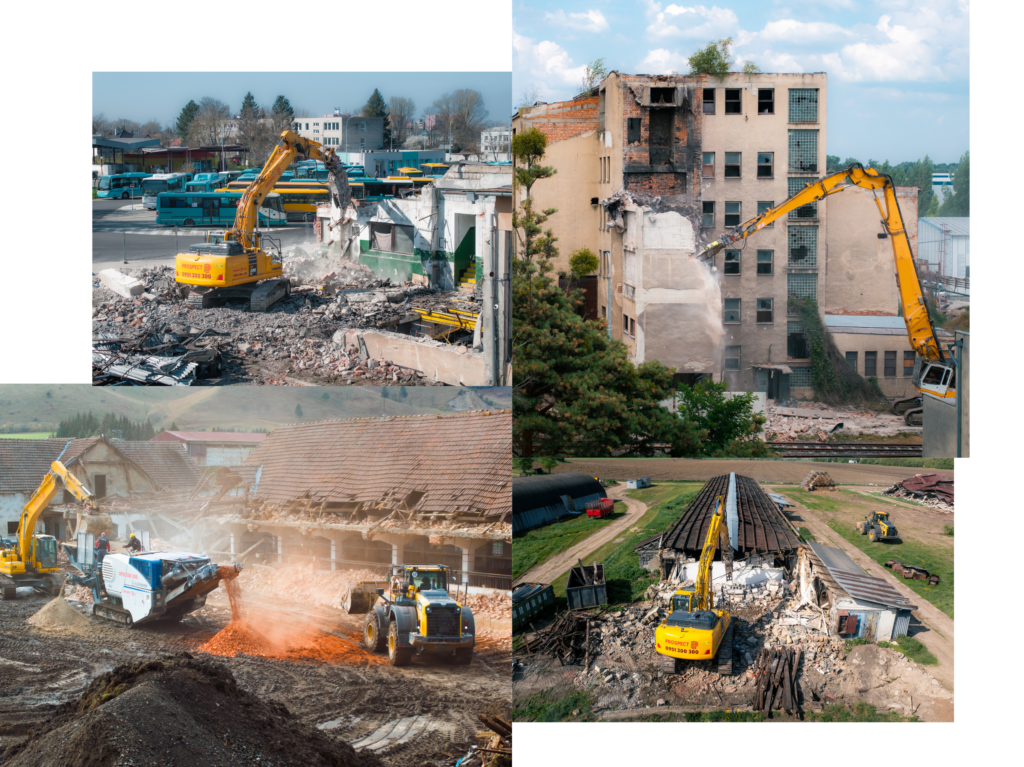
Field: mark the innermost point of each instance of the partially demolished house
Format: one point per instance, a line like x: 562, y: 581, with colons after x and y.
x: 114, y: 471
x: 858, y: 606
x: 756, y: 524
x: 372, y: 492
x: 540, y: 500
x: 215, y: 448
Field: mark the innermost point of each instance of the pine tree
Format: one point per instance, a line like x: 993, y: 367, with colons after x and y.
x: 377, y: 107
x: 249, y: 102
x: 173, y: 427
x: 185, y: 119
x: 282, y: 107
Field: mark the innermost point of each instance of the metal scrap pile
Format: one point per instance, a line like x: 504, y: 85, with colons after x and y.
x: 159, y: 356
x: 932, y: 490
x: 818, y: 479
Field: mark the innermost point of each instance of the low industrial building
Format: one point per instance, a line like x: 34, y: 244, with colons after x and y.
x: 544, y: 498
x: 858, y: 606
x: 215, y: 448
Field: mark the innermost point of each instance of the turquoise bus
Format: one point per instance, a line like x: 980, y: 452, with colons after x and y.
x: 124, y: 185
x: 161, y: 182
x: 213, y: 209
x: 207, y: 182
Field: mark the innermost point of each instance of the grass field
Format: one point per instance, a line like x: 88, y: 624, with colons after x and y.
x: 540, y: 545
x: 938, y: 560
x: 27, y: 435
x: 821, y: 500
x: 555, y: 705
x: 626, y: 580
x: 861, y: 712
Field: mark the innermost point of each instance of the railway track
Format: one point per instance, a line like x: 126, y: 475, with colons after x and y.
x: 846, y: 450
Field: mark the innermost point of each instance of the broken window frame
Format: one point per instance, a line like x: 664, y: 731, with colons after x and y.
x: 731, y: 316
x: 802, y: 157
x: 734, y: 104
x: 796, y: 341
x: 808, y: 212
x: 709, y: 103
x: 393, y: 238
x: 803, y: 105
x: 766, y: 169
x: 805, y: 237
x: 766, y: 106
x: 769, y: 262
x: 731, y: 265
x: 658, y: 97
x: 733, y: 216
x: 763, y: 206
x: 909, y: 357
x: 734, y: 169
x: 633, y: 130
x: 800, y: 377
x: 731, y: 359
x: 802, y: 284
x: 708, y: 167
x: 765, y: 312
x: 660, y: 124
x: 870, y: 364
x: 889, y: 364
x: 708, y: 209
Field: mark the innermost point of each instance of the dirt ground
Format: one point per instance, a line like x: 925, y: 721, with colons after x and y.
x: 691, y: 469
x: 423, y: 714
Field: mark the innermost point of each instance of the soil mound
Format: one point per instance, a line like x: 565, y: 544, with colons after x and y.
x: 58, y: 614
x: 242, y: 638
x: 179, y: 711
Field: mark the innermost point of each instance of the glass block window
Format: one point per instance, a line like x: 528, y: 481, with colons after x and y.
x: 732, y: 213
x: 800, y: 377
x: 732, y: 262
x: 764, y: 206
x: 804, y: 211
x: 732, y: 358
x: 803, y: 105
x: 803, y: 246
x: 803, y: 285
x: 803, y: 151
x: 497, y: 548
x: 794, y: 326
x: 732, y: 310
x: 709, y: 214
x: 764, y: 261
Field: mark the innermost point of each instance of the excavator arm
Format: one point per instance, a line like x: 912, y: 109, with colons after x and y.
x: 284, y: 153
x: 41, y: 498
x: 920, y: 330
x: 718, y: 535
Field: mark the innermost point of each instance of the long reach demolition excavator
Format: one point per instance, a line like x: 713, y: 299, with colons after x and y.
x: 235, y: 264
x: 694, y: 629
x: 934, y: 372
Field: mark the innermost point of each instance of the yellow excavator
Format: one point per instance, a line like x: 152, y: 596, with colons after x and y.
x: 235, y: 264
x: 694, y: 629
x: 31, y: 559
x: 933, y: 371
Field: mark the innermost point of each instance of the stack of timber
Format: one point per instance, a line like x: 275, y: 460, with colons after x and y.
x: 567, y: 637
x: 775, y: 671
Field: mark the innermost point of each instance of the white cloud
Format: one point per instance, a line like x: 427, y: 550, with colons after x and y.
x: 545, y: 64
x: 791, y: 31
x: 588, y: 21
x: 662, y: 62
x: 690, y: 21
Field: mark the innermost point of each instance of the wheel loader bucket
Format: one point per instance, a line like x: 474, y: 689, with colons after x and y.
x: 361, y: 597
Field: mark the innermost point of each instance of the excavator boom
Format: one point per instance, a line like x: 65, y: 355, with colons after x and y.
x: 920, y: 330
x: 40, y: 500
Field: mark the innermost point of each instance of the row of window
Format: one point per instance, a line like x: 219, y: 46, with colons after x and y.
x: 327, y: 126
x: 530, y: 605
x: 803, y: 158
x: 765, y: 311
x: 628, y: 326
x: 803, y: 103
x: 889, y: 360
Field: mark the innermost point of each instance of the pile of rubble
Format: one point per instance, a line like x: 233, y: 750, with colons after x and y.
x: 814, y: 420
x: 144, y: 330
x: 932, y: 490
x: 818, y: 479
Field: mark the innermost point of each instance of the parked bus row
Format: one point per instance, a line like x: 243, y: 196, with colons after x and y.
x: 213, y: 209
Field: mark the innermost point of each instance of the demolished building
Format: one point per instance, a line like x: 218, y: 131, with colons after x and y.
x: 757, y: 528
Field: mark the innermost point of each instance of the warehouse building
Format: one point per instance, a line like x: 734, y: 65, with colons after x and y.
x: 542, y: 499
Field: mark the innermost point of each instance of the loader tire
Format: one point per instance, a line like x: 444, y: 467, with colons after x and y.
x: 463, y: 656
x: 861, y: 528
x: 873, y: 536
x: 373, y: 637
x: 399, y: 656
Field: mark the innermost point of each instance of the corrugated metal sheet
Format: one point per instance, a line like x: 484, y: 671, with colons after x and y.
x: 833, y: 558
x: 543, y: 490
x: 902, y: 624
x: 523, y: 521
x: 864, y: 587
x: 461, y: 461
x: 840, y: 322
x: 955, y: 225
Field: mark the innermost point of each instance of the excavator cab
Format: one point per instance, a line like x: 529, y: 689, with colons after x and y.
x: 934, y: 377
x: 44, y: 552
x: 682, y: 600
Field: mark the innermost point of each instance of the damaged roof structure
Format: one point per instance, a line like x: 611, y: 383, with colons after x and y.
x: 755, y: 522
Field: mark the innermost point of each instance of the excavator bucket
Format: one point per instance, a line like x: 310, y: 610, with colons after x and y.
x: 361, y: 596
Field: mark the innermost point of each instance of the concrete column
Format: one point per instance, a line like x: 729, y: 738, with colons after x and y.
x: 334, y: 554
x: 468, y: 559
x: 397, y: 553
x: 280, y: 548
x: 232, y: 544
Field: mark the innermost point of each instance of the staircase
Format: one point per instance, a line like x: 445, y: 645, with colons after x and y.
x: 467, y: 282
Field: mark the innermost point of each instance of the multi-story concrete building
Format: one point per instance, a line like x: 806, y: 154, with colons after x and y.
x: 652, y: 168
x: 346, y: 133
x: 496, y: 144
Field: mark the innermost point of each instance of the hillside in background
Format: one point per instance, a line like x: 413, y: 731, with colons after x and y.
x: 241, y: 408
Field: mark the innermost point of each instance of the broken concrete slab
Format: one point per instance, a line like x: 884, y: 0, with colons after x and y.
x: 121, y: 283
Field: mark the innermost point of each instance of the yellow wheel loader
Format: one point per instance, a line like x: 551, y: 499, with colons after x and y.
x: 878, y: 527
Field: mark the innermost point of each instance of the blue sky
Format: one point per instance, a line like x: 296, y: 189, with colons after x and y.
x: 898, y: 71
x: 141, y: 96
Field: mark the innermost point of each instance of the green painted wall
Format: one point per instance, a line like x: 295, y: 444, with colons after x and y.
x: 394, y: 265
x: 465, y: 253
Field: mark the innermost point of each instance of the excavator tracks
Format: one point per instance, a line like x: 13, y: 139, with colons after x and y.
x: 8, y: 589
x: 267, y: 294
x: 725, y: 653
x: 667, y: 665
x: 112, y: 613
x: 261, y: 296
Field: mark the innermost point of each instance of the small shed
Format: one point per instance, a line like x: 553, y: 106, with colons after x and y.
x: 637, y: 484
x: 540, y: 500
x: 529, y: 602
x: 586, y: 587
x: 858, y: 605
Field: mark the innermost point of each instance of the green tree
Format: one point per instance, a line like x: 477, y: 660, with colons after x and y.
x: 729, y: 423
x: 583, y: 262
x: 750, y: 68
x: 832, y: 163
x: 713, y: 59
x: 523, y: 465
x: 577, y: 393
x: 594, y: 73
x: 282, y: 107
x: 185, y: 119
x: 376, y: 106
x: 298, y: 410
x: 173, y: 427
x: 959, y: 202
x: 548, y: 463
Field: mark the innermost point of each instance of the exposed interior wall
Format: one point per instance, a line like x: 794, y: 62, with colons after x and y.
x: 440, y: 362
x: 414, y: 212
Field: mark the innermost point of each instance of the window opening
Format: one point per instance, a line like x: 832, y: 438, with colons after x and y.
x: 709, y: 101
x: 765, y: 101
x: 732, y: 262
x: 732, y: 214
x: 632, y: 130
x: 709, y: 164
x: 732, y: 164
x: 732, y: 310
x: 763, y: 207
x: 764, y: 311
x: 733, y: 105
x: 764, y: 261
x: 796, y: 341
x: 803, y: 246
x: 890, y: 364
x: 709, y: 215
x: 765, y: 164
x: 870, y: 364
x: 851, y: 359
x: 732, y: 357
x: 663, y: 96
x: 908, y: 363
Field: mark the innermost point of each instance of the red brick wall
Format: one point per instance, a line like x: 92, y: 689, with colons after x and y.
x: 657, y: 183
x: 563, y: 119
